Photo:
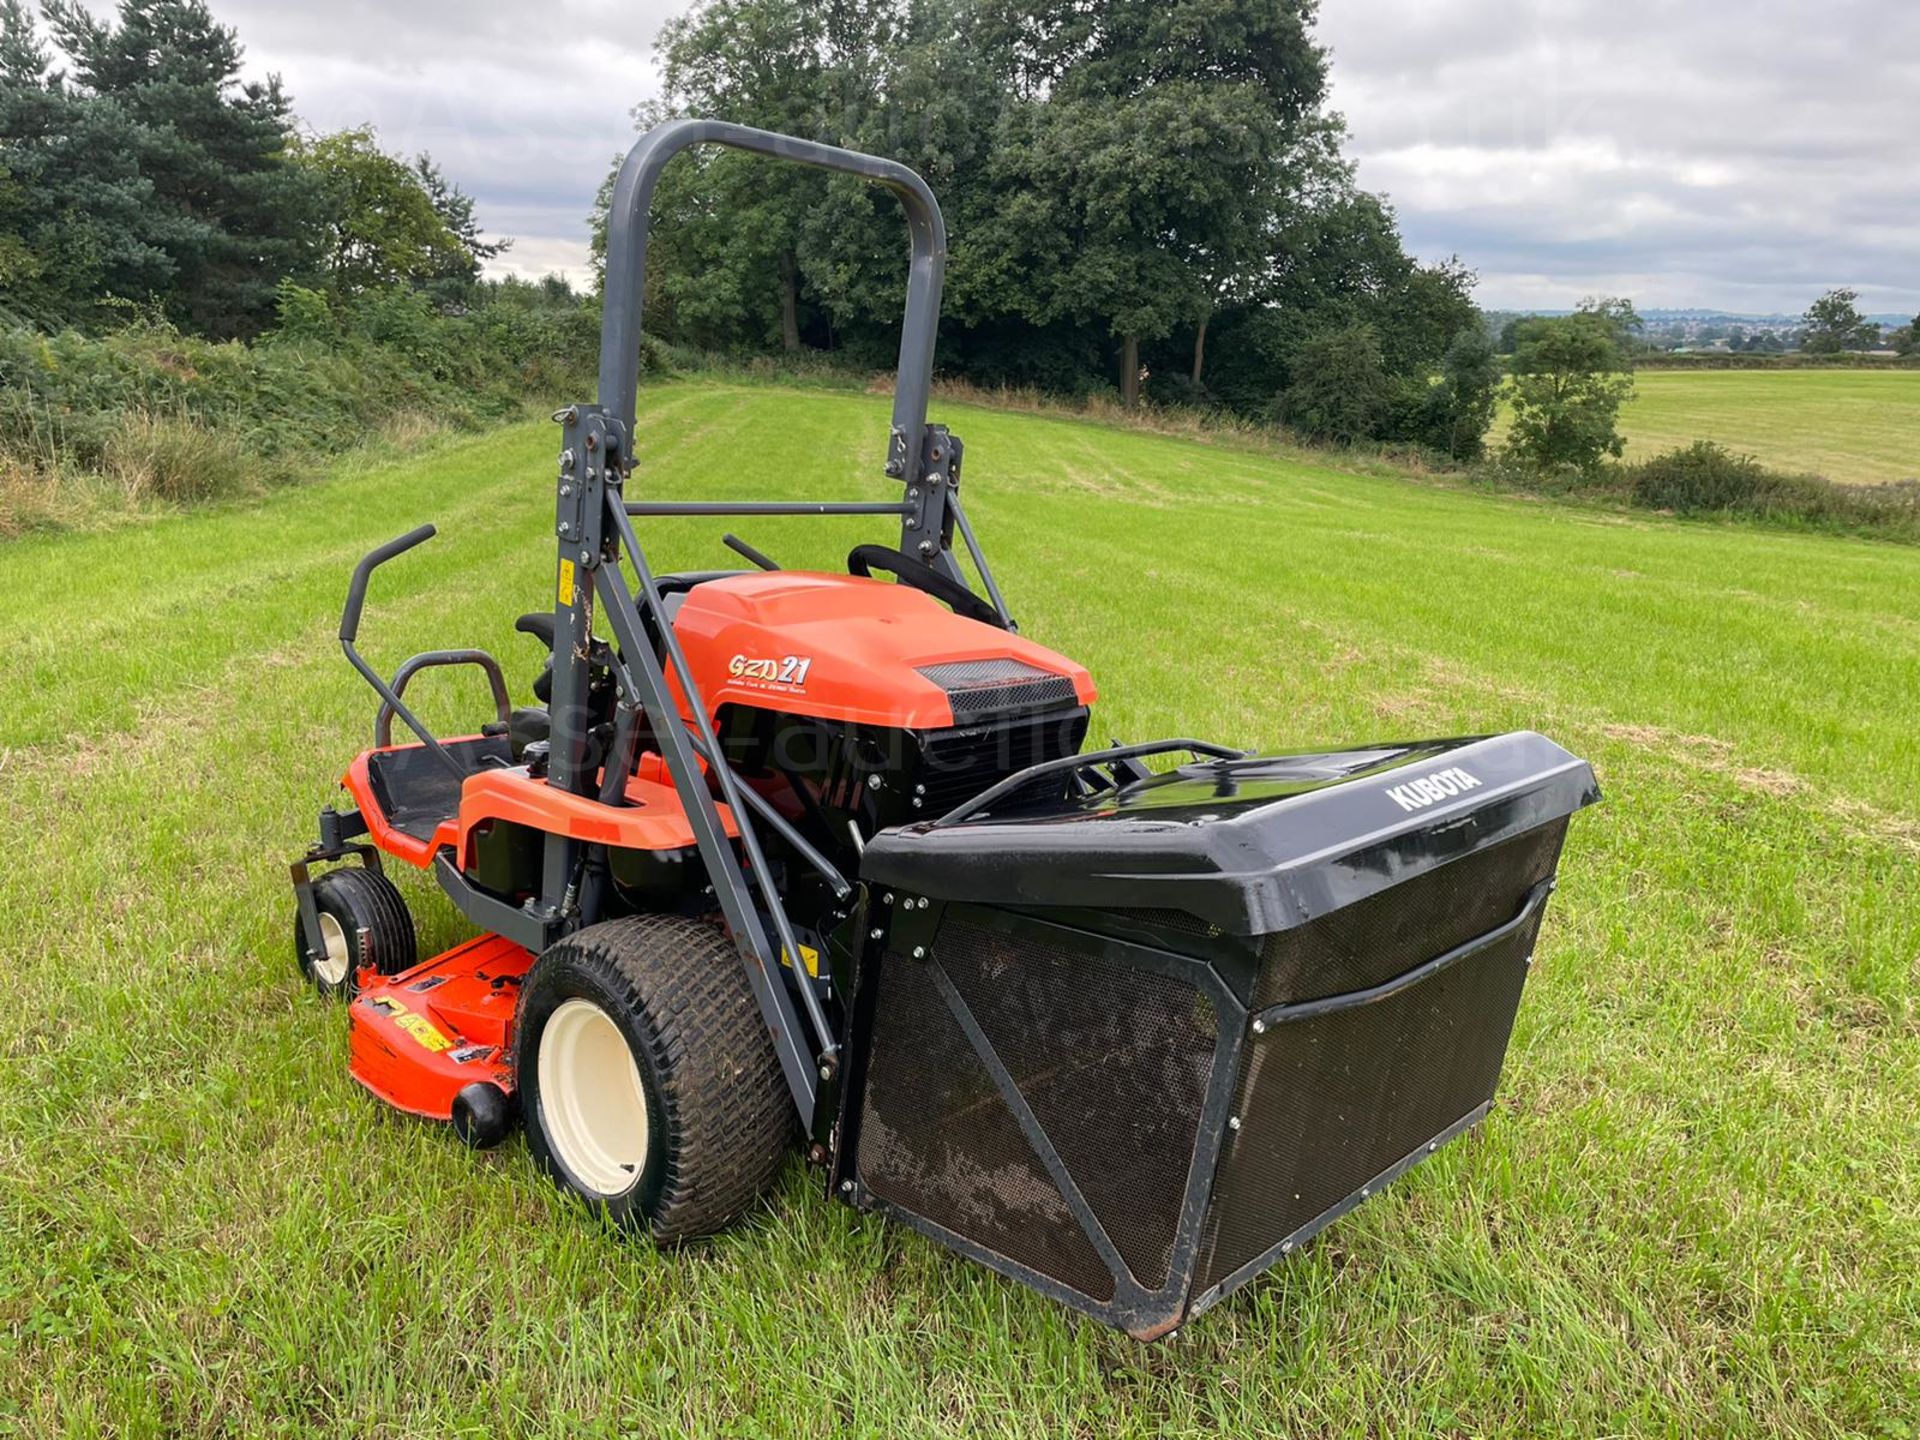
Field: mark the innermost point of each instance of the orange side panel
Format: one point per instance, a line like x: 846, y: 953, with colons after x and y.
x: 652, y: 819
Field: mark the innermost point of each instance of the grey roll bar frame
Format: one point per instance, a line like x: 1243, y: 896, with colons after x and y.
x: 594, y: 525
x: 627, y: 232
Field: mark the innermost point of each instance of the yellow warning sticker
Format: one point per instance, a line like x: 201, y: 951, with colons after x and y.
x: 423, y: 1030
x: 566, y: 582
x: 809, y: 957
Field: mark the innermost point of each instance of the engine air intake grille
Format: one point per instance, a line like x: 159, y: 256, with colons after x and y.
x: 977, y: 688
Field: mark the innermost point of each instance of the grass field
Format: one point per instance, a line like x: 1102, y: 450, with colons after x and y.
x: 1851, y: 426
x: 1694, y: 1211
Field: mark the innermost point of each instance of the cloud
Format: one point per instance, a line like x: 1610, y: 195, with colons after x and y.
x: 1744, y: 157
x: 525, y: 108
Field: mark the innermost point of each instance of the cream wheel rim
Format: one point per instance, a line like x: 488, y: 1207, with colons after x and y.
x: 331, y: 968
x: 592, y: 1102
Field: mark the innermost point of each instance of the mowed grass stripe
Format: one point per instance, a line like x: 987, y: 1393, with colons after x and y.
x: 1693, y: 1211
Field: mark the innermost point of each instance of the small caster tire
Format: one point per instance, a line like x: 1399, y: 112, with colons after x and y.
x: 364, y: 924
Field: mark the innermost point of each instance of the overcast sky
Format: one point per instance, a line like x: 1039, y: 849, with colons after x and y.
x: 1692, y: 152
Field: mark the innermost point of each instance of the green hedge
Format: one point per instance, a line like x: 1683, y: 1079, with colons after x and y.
x: 1732, y: 360
x: 155, y: 413
x: 1707, y: 481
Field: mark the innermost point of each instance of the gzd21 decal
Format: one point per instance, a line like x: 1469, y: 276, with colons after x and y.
x: 787, y: 672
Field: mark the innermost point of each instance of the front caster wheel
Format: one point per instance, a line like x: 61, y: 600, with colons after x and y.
x: 648, y: 1084
x: 363, y: 924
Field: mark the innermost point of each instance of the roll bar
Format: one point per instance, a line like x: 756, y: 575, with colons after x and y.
x: 627, y: 266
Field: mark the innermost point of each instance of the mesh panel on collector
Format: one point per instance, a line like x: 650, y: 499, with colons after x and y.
x: 937, y: 1140
x: 1329, y: 1104
x: 1112, y: 1060
x: 1396, y: 929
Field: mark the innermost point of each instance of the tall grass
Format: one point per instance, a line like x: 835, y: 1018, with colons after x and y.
x: 94, y: 426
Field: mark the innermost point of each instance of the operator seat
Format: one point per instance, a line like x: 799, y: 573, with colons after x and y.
x: 529, y: 724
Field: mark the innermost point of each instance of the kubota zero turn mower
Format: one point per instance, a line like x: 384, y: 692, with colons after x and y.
x: 784, y: 851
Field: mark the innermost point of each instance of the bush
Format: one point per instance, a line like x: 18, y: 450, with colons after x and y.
x: 1450, y: 414
x: 157, y: 414
x: 173, y: 459
x: 1708, y: 479
x: 1702, y: 479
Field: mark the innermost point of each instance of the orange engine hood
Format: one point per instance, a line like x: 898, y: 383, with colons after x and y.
x: 839, y: 647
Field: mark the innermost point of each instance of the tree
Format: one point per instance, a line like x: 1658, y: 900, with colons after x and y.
x: 382, y: 230
x: 1457, y: 410
x: 1157, y: 184
x: 1629, y: 330
x: 455, y: 209
x: 1906, y: 340
x: 1569, y: 382
x: 230, y: 215
x: 79, y: 229
x: 1160, y: 130
x: 728, y: 224
x: 1340, y: 391
x: 1834, y: 323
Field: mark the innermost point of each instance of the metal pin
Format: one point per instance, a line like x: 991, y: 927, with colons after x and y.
x: 1233, y: 1122
x: 1259, y: 1027
x: 919, y: 952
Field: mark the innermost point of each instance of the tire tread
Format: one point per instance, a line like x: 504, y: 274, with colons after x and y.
x: 729, y: 1118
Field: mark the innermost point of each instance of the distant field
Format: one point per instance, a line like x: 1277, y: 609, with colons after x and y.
x: 1695, y: 1210
x: 1853, y: 426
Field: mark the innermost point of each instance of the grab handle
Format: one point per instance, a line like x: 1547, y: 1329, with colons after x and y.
x: 373, y: 560
x: 350, y: 630
x: 1019, y: 778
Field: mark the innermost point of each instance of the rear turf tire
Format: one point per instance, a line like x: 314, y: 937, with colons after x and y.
x: 648, y: 1084
x: 364, y: 922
